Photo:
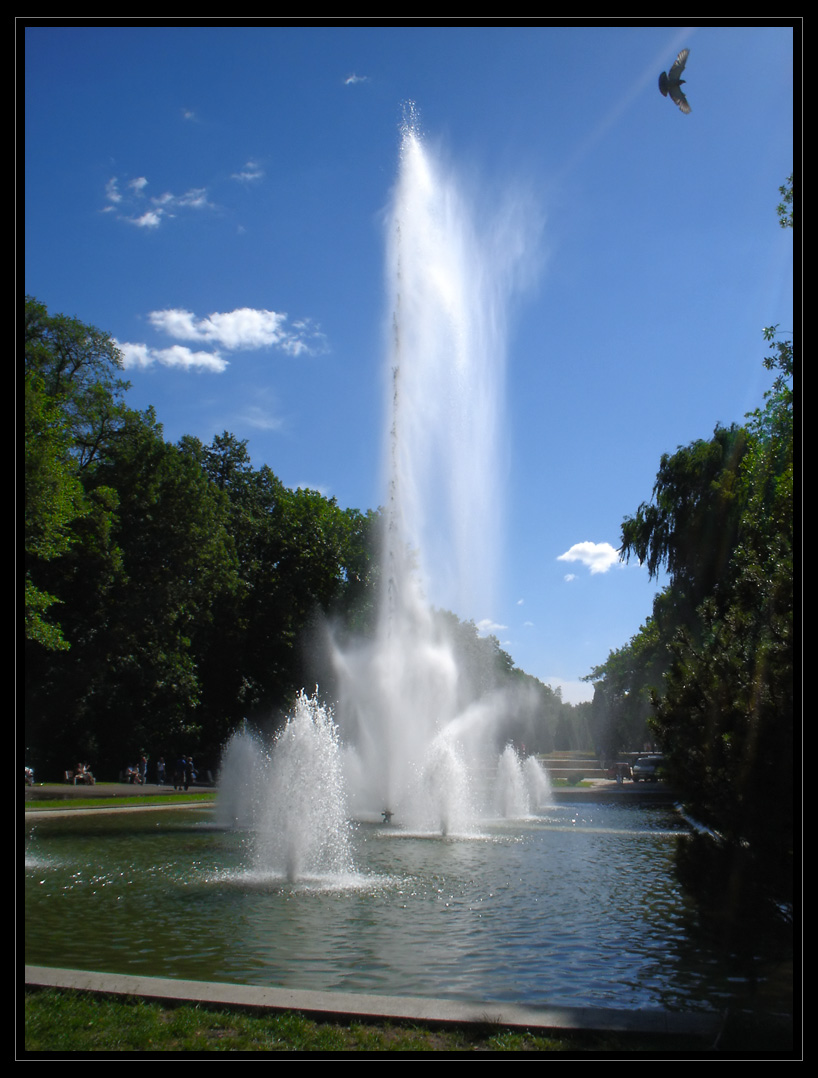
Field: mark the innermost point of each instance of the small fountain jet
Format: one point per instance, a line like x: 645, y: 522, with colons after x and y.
x: 671, y: 83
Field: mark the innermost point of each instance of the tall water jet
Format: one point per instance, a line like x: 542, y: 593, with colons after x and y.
x: 415, y: 724
x: 406, y: 707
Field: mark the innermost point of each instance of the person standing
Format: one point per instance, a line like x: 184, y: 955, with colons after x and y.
x: 190, y: 772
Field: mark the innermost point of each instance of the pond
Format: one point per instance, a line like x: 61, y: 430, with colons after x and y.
x: 576, y: 906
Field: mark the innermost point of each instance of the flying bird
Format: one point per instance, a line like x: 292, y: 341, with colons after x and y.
x: 671, y: 83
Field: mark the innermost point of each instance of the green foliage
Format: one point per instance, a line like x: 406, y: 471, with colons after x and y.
x: 74, y: 415
x: 622, y: 694
x: 690, y: 528
x: 78, y: 368
x: 784, y: 209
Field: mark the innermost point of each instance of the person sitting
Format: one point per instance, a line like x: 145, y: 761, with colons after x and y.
x: 83, y: 776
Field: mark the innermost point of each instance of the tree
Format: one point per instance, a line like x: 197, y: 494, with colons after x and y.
x: 78, y: 367
x: 784, y: 209
x: 137, y: 587
x: 722, y: 525
x: 623, y: 685
x: 54, y: 500
x: 691, y: 526
x: 301, y: 559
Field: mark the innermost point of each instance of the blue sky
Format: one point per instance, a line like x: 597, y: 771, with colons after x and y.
x: 214, y: 198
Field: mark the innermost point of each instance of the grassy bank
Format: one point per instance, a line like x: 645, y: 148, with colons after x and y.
x: 57, y: 1020
x: 54, y: 801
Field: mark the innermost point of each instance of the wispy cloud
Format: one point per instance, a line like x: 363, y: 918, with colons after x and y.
x: 261, y: 418
x: 136, y: 207
x: 245, y: 329
x: 351, y: 80
x: 486, y: 625
x: 598, y: 557
x: 112, y: 192
x: 249, y: 174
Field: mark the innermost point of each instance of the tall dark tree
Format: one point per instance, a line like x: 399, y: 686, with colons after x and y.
x: 137, y: 588
x: 722, y: 525
x: 74, y: 408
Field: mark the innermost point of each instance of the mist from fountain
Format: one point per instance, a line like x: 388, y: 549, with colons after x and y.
x: 415, y: 732
x: 417, y: 729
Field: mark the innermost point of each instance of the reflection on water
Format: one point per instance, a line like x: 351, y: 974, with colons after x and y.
x: 578, y: 906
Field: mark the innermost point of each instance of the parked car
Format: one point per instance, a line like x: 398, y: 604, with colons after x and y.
x: 618, y: 771
x: 647, y: 769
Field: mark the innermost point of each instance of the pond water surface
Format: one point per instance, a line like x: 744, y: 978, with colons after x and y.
x: 577, y: 906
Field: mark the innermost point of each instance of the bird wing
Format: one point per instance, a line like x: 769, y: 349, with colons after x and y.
x: 679, y: 64
x: 679, y: 98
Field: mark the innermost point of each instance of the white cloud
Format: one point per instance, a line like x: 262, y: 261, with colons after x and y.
x: 112, y: 192
x: 249, y: 173
x: 486, y: 625
x: 196, y: 198
x: 351, y: 80
x: 143, y: 356
x: 149, y: 219
x: 244, y: 329
x: 598, y: 557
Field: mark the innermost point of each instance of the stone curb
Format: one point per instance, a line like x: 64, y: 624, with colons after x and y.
x: 348, y: 1005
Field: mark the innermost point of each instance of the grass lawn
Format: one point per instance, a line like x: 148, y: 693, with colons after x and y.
x: 192, y: 797
x: 58, y: 1020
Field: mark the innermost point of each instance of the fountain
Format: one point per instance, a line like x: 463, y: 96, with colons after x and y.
x: 542, y: 904
x: 415, y: 731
